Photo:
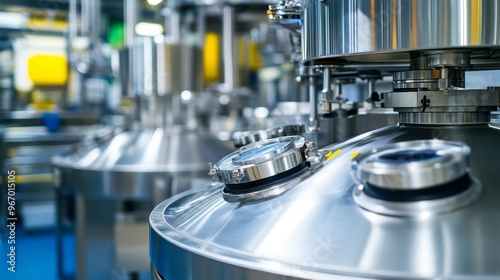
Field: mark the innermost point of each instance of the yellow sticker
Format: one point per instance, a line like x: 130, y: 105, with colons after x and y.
x: 355, y: 154
x: 330, y: 155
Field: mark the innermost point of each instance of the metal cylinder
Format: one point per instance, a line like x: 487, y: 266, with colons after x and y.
x: 104, y: 201
x: 230, y: 76
x: 364, y: 31
x: 313, y: 104
x: 131, y: 19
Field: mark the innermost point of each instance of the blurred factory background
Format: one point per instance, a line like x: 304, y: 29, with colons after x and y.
x: 110, y: 107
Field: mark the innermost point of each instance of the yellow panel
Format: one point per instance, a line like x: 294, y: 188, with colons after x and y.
x: 211, y: 58
x: 48, y: 70
x: 255, y: 59
x: 34, y: 178
x: 45, y: 24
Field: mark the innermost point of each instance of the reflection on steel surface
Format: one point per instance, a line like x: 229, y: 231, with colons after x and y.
x: 384, y: 31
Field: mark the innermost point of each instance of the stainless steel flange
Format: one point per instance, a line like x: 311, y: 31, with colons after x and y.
x: 261, y: 160
x: 415, y: 178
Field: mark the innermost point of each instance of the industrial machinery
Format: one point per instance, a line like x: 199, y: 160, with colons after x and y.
x: 416, y: 200
x: 348, y: 94
x: 107, y: 185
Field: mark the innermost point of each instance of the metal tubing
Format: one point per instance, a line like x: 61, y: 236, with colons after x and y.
x: 173, y: 22
x: 91, y: 21
x: 73, y: 16
x: 327, y: 91
x: 313, y: 107
x: 131, y: 18
x: 371, y: 87
x: 327, y: 84
x: 228, y: 48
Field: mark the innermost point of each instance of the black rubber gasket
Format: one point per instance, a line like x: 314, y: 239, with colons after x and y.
x: 444, y: 190
x: 264, y: 183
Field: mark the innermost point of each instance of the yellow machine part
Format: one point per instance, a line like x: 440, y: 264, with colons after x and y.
x: 48, y: 70
x: 211, y: 58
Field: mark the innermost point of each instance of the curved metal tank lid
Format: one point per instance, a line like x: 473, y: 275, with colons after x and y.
x: 148, y: 150
x: 315, y: 230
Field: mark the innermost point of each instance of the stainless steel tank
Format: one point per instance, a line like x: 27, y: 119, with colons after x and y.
x: 107, y: 185
x: 377, y: 32
x: 318, y: 229
x: 416, y: 200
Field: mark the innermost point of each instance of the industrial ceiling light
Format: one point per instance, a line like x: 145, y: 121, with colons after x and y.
x: 13, y: 20
x: 148, y: 29
x: 154, y: 2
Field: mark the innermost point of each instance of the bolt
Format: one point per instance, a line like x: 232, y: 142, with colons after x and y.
x: 238, y: 175
x: 311, y: 149
x: 214, y: 172
x: 326, y: 106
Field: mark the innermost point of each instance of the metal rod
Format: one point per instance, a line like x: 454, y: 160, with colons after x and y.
x: 84, y: 20
x: 91, y: 21
x: 313, y: 107
x: 371, y: 88
x: 228, y: 49
x: 131, y: 18
x: 73, y: 23
x: 173, y: 22
x: 201, y: 26
x: 95, y: 23
x: 327, y: 91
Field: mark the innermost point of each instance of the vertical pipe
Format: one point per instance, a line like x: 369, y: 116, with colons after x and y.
x: 201, y: 26
x: 313, y: 107
x: 228, y: 49
x: 201, y: 30
x: 95, y: 23
x: 327, y: 90
x: 131, y: 18
x: 91, y: 21
x: 73, y: 24
x: 72, y: 33
x: 371, y: 87
x: 327, y: 83
x: 172, y: 22
x: 84, y: 20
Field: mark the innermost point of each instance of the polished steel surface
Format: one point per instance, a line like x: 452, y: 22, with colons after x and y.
x: 443, y: 118
x: 133, y: 162
x: 247, y: 137
x: 418, y: 209
x: 158, y: 67
x: 114, y: 174
x: 260, y: 160
x: 456, y: 58
x: 448, y: 106
x: 314, y: 230
x: 412, y: 165
x: 425, y: 79
x: 385, y: 31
